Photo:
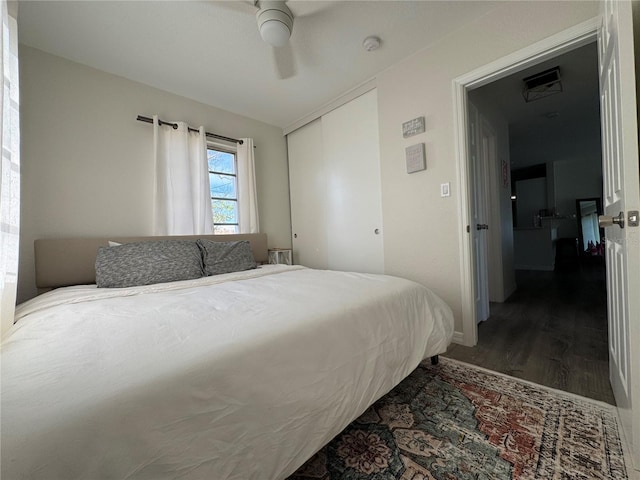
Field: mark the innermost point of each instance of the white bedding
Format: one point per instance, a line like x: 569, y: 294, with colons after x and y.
x: 239, y: 376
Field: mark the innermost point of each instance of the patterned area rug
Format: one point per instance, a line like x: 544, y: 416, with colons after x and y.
x: 454, y: 421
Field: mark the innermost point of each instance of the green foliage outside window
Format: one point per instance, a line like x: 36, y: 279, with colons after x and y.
x: 224, y: 190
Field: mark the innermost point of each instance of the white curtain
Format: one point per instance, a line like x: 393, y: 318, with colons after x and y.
x: 247, y: 196
x: 9, y: 169
x: 182, y: 200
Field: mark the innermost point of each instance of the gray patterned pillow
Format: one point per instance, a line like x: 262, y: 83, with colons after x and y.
x: 226, y: 257
x: 146, y: 263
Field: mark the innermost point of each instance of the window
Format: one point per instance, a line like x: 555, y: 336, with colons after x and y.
x: 224, y: 190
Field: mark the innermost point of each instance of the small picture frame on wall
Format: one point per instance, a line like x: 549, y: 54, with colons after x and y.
x: 413, y: 127
x: 415, y: 158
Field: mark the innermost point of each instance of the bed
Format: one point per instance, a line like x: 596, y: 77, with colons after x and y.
x: 240, y: 375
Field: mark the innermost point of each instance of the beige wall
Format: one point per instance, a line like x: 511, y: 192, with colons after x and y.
x: 422, y: 229
x: 87, y: 163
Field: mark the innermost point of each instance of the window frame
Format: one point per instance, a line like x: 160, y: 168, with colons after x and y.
x: 231, y: 151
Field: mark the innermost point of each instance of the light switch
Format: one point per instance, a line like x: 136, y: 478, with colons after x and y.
x: 445, y: 189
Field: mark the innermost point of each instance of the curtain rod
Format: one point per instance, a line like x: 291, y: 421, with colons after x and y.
x: 191, y: 129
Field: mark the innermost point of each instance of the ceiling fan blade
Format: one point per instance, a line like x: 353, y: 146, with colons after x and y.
x: 244, y: 6
x: 284, y: 61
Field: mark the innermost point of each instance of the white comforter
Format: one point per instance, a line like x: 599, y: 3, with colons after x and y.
x: 238, y: 376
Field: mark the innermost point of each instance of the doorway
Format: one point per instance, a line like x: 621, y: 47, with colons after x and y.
x: 535, y: 54
x: 553, y: 329
x: 620, y: 188
x: 518, y: 249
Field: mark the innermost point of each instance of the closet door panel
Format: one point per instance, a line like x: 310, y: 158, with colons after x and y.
x: 353, y: 193
x: 307, y: 184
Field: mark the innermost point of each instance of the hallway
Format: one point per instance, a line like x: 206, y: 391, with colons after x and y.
x: 551, y: 331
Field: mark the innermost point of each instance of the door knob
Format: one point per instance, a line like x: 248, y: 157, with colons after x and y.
x: 482, y: 226
x: 608, y: 221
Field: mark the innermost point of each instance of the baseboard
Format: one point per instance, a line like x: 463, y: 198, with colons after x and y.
x: 510, y: 292
x: 458, y: 337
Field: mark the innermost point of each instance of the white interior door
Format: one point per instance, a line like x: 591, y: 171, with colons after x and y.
x: 351, y: 152
x: 493, y: 188
x: 621, y: 196
x: 307, y: 186
x: 480, y: 213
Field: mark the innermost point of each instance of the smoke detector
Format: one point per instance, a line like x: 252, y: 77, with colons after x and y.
x: 371, y: 43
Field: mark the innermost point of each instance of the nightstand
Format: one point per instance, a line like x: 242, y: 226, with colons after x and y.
x: 281, y: 255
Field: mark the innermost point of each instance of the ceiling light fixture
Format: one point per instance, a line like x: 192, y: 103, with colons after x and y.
x: 371, y: 43
x: 542, y: 85
x: 275, y: 22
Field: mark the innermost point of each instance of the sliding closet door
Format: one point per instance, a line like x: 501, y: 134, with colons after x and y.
x: 334, y: 177
x: 307, y: 184
x: 353, y: 201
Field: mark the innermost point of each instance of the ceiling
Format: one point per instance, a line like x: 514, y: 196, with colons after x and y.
x: 211, y: 51
x: 559, y: 122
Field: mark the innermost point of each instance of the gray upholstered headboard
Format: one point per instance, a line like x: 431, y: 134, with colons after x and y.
x: 61, y: 262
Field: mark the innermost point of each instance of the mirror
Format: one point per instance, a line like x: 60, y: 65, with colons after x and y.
x: 589, y: 241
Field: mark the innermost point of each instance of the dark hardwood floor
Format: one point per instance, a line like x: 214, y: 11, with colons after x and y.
x: 551, y: 331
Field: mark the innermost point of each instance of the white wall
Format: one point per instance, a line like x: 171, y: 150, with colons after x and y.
x: 422, y: 229
x: 531, y: 197
x: 87, y: 163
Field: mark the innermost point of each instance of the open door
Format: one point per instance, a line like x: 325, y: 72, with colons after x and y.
x: 621, y: 200
x: 480, y: 214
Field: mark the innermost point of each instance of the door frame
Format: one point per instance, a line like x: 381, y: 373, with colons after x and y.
x: 562, y: 42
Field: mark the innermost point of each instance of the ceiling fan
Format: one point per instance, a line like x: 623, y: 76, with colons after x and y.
x: 275, y: 24
x: 275, y: 20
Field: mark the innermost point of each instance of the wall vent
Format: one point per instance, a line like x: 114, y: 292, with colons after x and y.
x: 542, y: 85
